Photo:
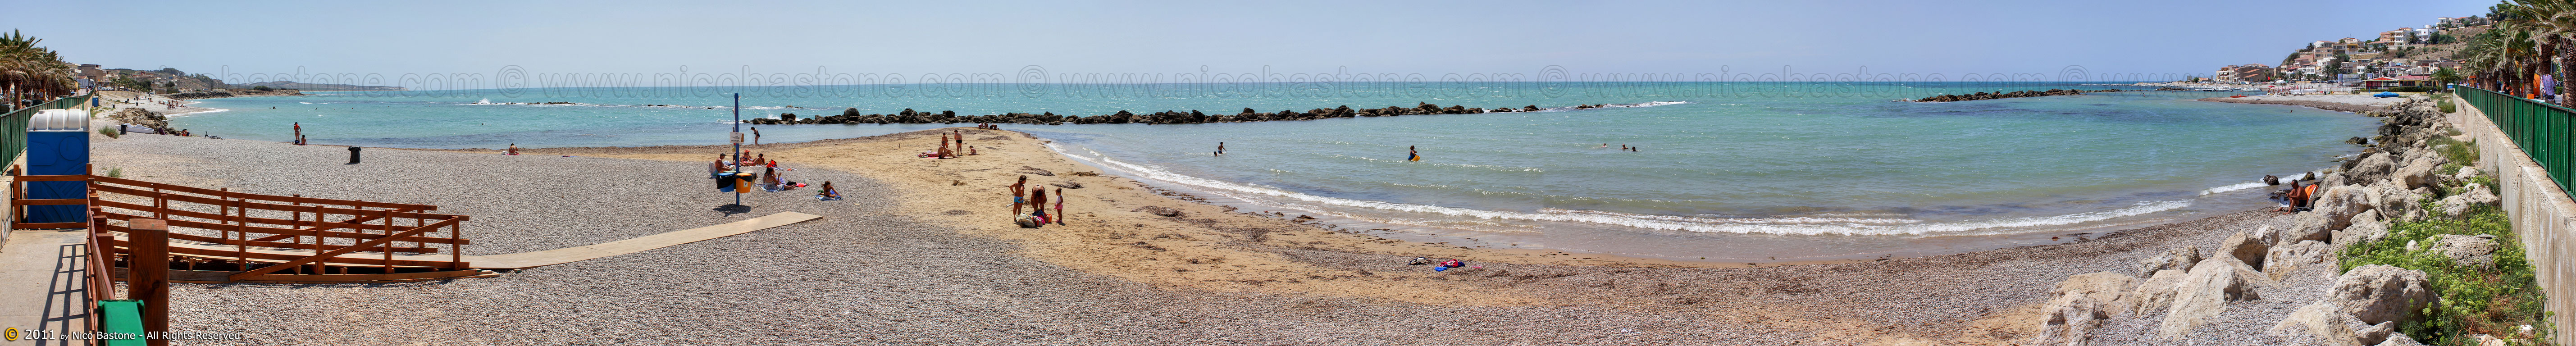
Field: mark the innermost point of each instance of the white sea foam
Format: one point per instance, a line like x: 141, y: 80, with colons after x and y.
x: 1790, y: 226
x: 1616, y: 105
x: 208, y: 110
x: 305, y: 102
x: 2238, y: 186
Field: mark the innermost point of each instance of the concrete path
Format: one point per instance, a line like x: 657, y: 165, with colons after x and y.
x: 41, y: 286
x: 526, y: 260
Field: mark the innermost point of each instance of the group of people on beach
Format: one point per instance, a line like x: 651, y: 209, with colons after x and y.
x: 733, y: 171
x: 1035, y: 201
x: 951, y: 145
x: 2297, y: 198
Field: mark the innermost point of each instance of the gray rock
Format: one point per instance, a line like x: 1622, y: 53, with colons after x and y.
x: 2416, y: 173
x: 2283, y: 259
x: 2477, y: 194
x: 2320, y: 321
x: 2399, y: 339
x: 2173, y: 259
x: 2372, y: 168
x: 2476, y: 251
x: 2365, y: 228
x: 2334, y: 210
x: 2245, y: 248
x: 2380, y: 293
x: 2377, y: 333
x: 2393, y: 200
x: 2082, y: 302
x: 2204, y: 293
x: 2156, y: 294
x: 2070, y: 320
x: 2465, y: 173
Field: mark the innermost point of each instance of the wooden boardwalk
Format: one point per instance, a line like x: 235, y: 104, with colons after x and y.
x: 535, y: 259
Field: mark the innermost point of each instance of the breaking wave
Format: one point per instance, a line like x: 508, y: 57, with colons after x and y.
x: 1784, y: 225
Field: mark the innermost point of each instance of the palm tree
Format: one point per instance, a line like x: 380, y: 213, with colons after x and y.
x: 28, y: 71
x: 2551, y: 26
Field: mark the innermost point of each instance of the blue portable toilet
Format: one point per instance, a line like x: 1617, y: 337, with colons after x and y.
x: 58, y: 144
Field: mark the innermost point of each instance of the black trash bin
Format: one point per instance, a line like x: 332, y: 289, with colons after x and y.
x: 353, y: 155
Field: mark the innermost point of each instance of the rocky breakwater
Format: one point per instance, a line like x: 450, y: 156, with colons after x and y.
x: 909, y: 116
x: 192, y: 95
x: 140, y: 117
x: 2222, y: 296
x: 2024, y: 93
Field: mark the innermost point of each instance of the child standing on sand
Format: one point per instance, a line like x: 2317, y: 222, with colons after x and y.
x: 1017, y: 190
x: 1059, y: 206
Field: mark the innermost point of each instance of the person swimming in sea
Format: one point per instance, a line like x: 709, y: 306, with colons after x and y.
x: 1220, y: 149
x: 1412, y: 153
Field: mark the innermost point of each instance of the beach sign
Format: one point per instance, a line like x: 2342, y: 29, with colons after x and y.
x: 737, y: 138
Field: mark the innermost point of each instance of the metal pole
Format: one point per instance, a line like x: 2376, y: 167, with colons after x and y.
x: 737, y: 145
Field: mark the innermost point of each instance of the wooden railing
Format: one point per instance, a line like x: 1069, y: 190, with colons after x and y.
x: 255, y: 237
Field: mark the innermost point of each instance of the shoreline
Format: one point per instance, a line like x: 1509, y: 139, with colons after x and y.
x: 1355, y: 239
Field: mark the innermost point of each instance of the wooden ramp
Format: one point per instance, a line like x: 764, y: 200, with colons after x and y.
x: 535, y: 259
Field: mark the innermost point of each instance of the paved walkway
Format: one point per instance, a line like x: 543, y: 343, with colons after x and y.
x: 41, y: 286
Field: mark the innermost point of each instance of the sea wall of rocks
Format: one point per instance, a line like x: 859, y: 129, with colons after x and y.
x: 909, y: 116
x: 2024, y: 93
x: 2184, y: 290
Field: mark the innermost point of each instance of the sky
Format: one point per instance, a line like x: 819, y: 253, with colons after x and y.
x: 1601, y: 39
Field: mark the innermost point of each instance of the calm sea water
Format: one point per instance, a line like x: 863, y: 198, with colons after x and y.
x: 1725, y: 171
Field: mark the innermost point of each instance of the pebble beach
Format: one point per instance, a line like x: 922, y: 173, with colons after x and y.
x: 918, y: 254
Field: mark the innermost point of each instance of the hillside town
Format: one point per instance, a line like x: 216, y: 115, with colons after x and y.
x: 2402, y: 59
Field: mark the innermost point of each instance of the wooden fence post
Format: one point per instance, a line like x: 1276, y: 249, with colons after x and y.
x: 148, y: 274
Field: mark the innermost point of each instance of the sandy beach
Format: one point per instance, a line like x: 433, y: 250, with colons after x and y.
x: 2340, y: 103
x: 922, y: 253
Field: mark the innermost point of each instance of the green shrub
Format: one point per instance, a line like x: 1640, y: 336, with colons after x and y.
x: 2471, y: 300
x: 110, y: 132
x: 2447, y: 107
x: 118, y: 172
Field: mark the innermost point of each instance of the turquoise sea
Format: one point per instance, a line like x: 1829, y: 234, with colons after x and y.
x: 1726, y: 171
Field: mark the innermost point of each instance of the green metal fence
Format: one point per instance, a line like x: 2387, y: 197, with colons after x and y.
x: 13, y: 127
x: 2541, y: 129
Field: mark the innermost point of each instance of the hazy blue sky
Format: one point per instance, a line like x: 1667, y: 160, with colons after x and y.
x: 1950, y: 37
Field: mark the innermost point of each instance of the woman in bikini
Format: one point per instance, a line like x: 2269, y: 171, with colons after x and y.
x: 1038, y: 202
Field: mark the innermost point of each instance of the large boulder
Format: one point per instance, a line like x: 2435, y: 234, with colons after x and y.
x: 2082, y: 302
x: 2245, y: 248
x: 2392, y: 200
x: 2070, y: 320
x: 2110, y: 289
x: 2204, y: 293
x: 2156, y: 294
x: 2334, y: 210
x: 2322, y: 322
x: 2283, y: 259
x: 2172, y: 259
x: 2477, y: 194
x: 2476, y: 251
x: 2416, y: 173
x: 2380, y: 293
x: 2371, y: 168
x: 2365, y: 227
